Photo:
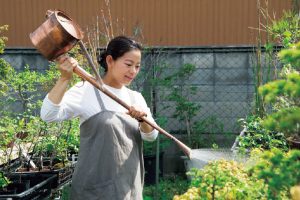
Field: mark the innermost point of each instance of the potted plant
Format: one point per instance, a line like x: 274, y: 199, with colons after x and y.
x: 24, y: 135
x: 25, y: 186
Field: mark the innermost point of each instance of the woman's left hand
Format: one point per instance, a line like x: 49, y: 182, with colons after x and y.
x: 136, y: 112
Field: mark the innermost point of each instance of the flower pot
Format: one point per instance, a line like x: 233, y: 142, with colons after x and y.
x: 28, y: 186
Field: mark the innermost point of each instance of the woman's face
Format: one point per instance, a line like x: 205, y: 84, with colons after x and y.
x: 123, y: 70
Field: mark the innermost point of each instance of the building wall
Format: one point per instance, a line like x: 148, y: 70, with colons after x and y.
x: 159, y: 22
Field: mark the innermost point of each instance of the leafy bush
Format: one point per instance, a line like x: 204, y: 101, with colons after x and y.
x: 167, y: 188
x: 223, y: 180
x: 279, y: 171
x: 256, y: 136
x: 286, y: 117
x: 271, y: 174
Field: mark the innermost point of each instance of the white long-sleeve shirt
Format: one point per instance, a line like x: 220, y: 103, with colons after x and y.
x: 81, y: 101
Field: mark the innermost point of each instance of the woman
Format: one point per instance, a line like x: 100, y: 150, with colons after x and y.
x: 110, y: 162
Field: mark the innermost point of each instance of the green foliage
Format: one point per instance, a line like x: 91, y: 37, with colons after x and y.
x: 257, y: 136
x: 23, y: 127
x: 224, y: 180
x: 289, y: 87
x: 285, y: 120
x: 209, y: 125
x: 59, y: 140
x: 286, y: 117
x: 167, y: 188
x: 291, y: 55
x: 185, y: 109
x: 285, y: 30
x: 279, y: 170
x: 4, y: 181
x: 271, y: 174
x: 4, y: 66
x: 180, y: 95
x: 149, y: 148
x: 2, y: 38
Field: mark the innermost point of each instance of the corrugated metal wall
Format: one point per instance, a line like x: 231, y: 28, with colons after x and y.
x: 163, y: 22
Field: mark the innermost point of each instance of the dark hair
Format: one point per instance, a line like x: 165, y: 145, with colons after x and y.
x: 117, y: 47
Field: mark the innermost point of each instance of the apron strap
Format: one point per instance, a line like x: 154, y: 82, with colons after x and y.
x: 101, y: 104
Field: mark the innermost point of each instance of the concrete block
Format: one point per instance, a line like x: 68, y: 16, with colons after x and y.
x: 204, y: 93
x: 231, y: 76
x: 231, y: 109
x: 202, y: 77
x: 200, y: 60
x: 229, y: 93
x: 231, y: 60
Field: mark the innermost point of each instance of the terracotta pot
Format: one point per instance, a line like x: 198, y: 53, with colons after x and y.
x: 57, y: 35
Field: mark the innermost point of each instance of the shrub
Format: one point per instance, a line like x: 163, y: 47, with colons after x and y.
x: 223, y: 180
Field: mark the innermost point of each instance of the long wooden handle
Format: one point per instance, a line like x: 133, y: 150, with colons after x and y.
x: 88, y: 77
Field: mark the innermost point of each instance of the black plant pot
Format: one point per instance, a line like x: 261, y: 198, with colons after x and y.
x: 150, y: 168
x: 28, y: 186
x: 62, y: 175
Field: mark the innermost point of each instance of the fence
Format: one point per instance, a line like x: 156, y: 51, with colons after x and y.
x: 212, y: 96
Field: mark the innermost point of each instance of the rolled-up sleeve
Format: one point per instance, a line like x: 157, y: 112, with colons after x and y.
x: 51, y: 112
x: 149, y: 136
x: 69, y: 107
x: 153, y: 134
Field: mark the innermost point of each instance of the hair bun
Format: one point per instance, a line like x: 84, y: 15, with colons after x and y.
x: 102, y: 59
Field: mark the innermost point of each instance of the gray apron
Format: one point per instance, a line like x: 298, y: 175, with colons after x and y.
x: 110, y: 162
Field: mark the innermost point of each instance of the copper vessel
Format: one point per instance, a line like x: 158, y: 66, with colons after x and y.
x: 57, y: 35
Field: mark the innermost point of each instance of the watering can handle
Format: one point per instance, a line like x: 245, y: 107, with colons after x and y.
x: 49, y: 12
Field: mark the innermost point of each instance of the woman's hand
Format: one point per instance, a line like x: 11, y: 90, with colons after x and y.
x: 66, y: 65
x: 136, y: 112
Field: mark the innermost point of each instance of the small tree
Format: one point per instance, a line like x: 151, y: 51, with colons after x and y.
x: 285, y: 96
x: 181, y: 93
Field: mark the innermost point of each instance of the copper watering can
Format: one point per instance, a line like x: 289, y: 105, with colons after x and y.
x: 57, y: 35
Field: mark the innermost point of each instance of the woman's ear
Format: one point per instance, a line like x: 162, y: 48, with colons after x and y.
x: 109, y: 60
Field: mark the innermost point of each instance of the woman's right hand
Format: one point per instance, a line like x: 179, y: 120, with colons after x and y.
x: 66, y: 65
